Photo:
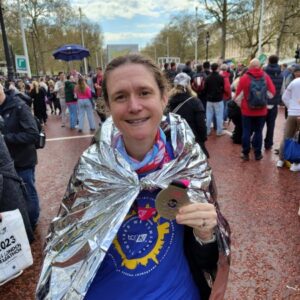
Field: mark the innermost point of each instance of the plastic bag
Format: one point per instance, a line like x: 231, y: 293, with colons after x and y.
x: 15, y: 252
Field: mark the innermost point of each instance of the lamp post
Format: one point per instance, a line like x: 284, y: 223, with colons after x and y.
x: 196, y: 40
x: 207, y: 38
x: 10, y: 69
x: 82, y: 40
x: 261, y: 27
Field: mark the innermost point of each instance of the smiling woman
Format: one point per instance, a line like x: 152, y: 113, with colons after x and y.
x: 117, y: 241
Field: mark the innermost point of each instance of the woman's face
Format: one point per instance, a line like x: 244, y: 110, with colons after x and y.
x: 135, y: 103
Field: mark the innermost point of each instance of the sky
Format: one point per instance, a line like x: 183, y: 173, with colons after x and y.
x: 132, y: 21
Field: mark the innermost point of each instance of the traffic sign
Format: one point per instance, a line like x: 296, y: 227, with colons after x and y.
x: 262, y: 58
x: 21, y: 64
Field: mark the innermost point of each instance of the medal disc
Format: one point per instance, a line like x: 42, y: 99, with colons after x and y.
x: 169, y: 201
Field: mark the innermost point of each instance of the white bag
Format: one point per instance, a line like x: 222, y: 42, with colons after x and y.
x: 15, y: 252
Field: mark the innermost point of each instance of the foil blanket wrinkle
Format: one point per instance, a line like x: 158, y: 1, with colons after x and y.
x: 99, y: 195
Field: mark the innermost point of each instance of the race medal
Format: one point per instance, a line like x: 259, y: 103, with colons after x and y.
x: 169, y: 201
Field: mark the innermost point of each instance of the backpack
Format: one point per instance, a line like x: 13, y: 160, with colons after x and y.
x: 258, y: 92
x: 198, y: 84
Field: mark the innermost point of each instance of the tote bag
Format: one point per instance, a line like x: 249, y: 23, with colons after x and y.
x: 15, y: 252
x: 292, y: 150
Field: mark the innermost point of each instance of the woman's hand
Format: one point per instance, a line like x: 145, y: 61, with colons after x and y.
x: 202, y: 217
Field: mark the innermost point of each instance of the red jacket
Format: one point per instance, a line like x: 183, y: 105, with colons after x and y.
x: 243, y: 88
x: 227, y: 87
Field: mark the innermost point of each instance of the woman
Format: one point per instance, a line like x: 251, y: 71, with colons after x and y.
x: 53, y: 100
x: 109, y: 240
x: 84, y: 96
x: 189, y: 107
x: 38, y: 94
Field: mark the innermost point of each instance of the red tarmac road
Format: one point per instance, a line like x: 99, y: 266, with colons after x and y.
x: 259, y: 200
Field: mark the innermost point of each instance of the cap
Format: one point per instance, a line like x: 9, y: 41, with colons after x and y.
x: 296, y: 68
x: 182, y: 79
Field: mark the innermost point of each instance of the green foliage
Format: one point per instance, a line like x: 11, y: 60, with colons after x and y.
x: 48, y: 25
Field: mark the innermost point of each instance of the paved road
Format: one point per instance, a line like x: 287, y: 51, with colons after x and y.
x: 260, y: 202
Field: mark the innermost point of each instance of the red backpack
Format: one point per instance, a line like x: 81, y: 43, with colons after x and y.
x: 198, y: 84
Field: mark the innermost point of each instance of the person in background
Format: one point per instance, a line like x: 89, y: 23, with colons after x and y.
x: 214, y: 90
x: 188, y: 69
x: 13, y: 194
x: 253, y: 119
x: 172, y: 72
x: 43, y: 84
x: 98, y: 82
x: 98, y: 91
x: 38, y: 94
x: 192, y: 110
x: 206, y: 68
x: 84, y: 95
x: 71, y: 100
x: 53, y: 100
x: 59, y: 89
x: 274, y: 71
x: 20, y: 134
x: 291, y: 99
x: 227, y: 89
x: 166, y: 69
x: 198, y: 84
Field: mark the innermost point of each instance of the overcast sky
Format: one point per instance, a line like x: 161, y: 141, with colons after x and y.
x: 132, y: 21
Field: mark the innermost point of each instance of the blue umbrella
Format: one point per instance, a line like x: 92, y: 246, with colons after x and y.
x: 71, y: 52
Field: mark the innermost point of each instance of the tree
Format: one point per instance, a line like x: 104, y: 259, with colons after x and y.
x: 279, y: 21
x: 223, y: 11
x: 180, y: 34
x: 287, y: 15
x: 40, y: 14
x: 48, y: 25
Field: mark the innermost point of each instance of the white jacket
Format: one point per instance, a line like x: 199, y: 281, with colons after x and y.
x: 291, y: 98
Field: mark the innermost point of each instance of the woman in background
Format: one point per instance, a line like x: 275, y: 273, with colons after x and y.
x: 189, y: 107
x: 84, y: 95
x: 38, y: 94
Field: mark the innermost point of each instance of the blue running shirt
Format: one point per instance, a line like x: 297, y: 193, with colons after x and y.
x: 145, y: 261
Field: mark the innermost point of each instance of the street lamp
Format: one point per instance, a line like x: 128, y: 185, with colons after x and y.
x: 196, y: 40
x: 207, y: 38
x: 10, y: 69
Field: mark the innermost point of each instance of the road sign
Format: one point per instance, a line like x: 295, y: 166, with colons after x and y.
x: 262, y: 58
x: 21, y: 64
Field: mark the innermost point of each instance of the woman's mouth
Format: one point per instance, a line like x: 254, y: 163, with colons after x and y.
x: 137, y: 121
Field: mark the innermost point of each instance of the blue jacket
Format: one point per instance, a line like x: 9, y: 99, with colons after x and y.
x: 274, y: 71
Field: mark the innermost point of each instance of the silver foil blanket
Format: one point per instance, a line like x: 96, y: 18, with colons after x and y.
x: 100, y: 193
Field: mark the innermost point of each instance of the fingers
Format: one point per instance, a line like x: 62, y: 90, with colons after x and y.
x: 200, y: 216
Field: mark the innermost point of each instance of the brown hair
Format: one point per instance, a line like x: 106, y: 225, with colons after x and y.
x: 140, y: 60
x: 81, y: 85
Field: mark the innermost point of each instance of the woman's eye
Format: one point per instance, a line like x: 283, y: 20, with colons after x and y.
x: 145, y: 93
x: 119, y: 98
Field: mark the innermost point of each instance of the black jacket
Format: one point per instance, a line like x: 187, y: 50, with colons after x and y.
x: 214, y: 87
x: 12, y: 192
x: 193, y: 112
x: 274, y: 71
x: 20, y: 132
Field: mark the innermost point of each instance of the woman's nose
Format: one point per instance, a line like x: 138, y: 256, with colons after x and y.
x: 134, y: 104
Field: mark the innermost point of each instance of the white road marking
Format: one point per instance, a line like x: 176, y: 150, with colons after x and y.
x: 69, y: 138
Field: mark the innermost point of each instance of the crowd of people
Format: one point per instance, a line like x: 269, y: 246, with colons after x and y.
x: 225, y: 91
x: 139, y: 97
